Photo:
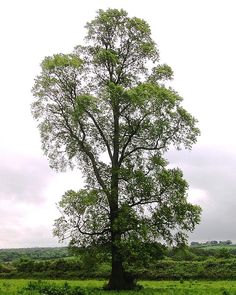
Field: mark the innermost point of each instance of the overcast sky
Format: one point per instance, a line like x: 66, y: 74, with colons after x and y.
x: 197, y: 38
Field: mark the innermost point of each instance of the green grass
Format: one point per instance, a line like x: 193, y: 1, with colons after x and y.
x: 12, y: 287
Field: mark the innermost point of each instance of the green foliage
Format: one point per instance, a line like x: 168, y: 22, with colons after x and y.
x: 61, y: 61
x: 52, y: 289
x: 146, y: 261
x: 10, y: 255
x: 223, y: 253
x: 144, y: 268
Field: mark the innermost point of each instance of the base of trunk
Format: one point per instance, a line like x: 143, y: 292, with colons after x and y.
x: 124, y: 282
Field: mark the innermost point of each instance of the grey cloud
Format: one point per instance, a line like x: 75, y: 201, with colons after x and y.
x: 23, y: 179
x: 211, y: 169
x: 29, y: 190
x: 38, y: 237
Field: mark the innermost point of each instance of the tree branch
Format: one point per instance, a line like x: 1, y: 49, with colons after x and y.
x: 101, y: 133
x: 132, y: 134
x: 155, y: 147
x: 92, y: 233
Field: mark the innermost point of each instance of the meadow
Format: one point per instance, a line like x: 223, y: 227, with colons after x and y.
x: 55, y: 271
x: 90, y: 287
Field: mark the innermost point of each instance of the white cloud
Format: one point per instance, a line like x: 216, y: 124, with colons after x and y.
x: 198, y: 196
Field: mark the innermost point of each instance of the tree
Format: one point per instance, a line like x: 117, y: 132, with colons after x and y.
x: 105, y: 108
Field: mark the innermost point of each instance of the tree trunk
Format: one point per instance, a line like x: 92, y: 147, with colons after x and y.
x: 119, y: 279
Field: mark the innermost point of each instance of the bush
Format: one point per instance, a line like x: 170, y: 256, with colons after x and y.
x: 52, y: 289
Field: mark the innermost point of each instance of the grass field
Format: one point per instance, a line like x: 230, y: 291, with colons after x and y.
x: 15, y: 287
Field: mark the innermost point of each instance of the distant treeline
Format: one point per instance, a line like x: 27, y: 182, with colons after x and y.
x: 9, y: 255
x: 212, y: 243
x: 156, y: 262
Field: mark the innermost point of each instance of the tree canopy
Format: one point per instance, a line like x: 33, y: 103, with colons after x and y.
x: 106, y: 108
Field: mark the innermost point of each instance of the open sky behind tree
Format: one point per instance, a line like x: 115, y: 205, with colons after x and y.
x: 196, y: 38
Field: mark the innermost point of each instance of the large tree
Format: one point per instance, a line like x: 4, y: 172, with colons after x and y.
x: 106, y: 109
